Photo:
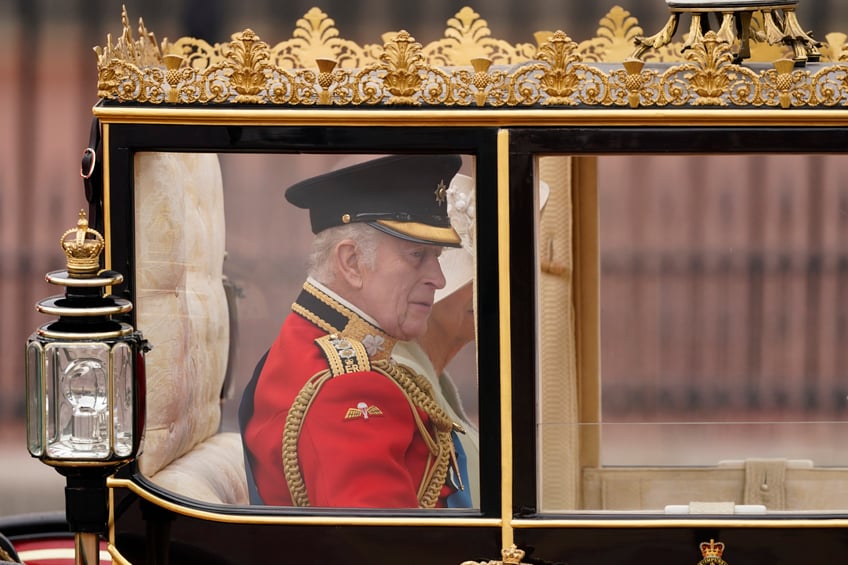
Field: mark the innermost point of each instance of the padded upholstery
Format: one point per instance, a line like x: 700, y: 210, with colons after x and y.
x: 209, y: 472
x: 182, y: 311
x: 791, y: 485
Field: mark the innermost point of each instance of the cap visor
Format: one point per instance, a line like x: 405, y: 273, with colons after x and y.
x: 420, y: 233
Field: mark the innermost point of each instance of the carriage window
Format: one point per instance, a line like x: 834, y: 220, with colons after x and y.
x: 704, y: 321
x: 227, y: 256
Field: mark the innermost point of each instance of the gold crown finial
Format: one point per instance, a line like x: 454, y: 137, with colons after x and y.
x: 711, y: 552
x: 82, y: 246
x: 512, y: 555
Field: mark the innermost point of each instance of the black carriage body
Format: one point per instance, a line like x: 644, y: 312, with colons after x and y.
x: 148, y: 518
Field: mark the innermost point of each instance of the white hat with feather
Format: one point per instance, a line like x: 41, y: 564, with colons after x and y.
x: 458, y: 263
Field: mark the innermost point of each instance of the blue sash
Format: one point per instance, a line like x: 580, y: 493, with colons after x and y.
x: 462, y: 497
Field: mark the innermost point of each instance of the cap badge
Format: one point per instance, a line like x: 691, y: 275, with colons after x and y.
x: 363, y: 411
x: 441, y: 192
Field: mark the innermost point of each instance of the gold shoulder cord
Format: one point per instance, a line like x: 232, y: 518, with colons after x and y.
x: 418, y: 393
x: 291, y: 433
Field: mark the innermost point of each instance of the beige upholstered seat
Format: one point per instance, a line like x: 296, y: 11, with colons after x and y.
x: 774, y: 484
x: 182, y: 311
x: 213, y: 471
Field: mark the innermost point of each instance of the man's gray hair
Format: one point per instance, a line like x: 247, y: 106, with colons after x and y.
x: 321, y: 257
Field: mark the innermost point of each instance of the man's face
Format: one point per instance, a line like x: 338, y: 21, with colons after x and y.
x: 398, y: 293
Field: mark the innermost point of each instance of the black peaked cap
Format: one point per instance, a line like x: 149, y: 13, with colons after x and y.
x: 402, y: 195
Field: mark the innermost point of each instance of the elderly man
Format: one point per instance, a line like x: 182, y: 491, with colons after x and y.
x: 329, y: 419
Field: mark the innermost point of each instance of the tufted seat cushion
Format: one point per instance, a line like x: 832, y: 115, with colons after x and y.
x: 211, y: 472
x: 182, y: 311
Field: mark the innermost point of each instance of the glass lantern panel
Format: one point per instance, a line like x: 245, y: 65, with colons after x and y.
x: 78, y: 400
x: 35, y: 395
x: 122, y: 398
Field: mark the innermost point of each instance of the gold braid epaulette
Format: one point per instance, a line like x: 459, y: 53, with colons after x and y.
x: 344, y: 355
x: 418, y: 392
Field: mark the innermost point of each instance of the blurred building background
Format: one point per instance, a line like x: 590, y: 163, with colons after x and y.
x: 48, y: 86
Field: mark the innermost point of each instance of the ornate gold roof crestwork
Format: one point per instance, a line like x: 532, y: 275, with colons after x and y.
x: 467, y: 67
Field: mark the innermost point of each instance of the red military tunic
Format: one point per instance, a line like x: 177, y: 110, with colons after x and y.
x: 359, y: 444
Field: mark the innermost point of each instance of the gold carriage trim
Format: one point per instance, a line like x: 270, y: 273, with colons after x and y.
x: 510, y: 556
x: 468, y: 68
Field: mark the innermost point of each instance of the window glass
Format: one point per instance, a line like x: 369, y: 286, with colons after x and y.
x: 223, y: 258
x: 721, y: 306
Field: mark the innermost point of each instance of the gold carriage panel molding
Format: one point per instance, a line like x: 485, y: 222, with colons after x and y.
x: 470, y: 68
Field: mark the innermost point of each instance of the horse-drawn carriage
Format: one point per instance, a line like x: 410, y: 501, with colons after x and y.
x: 631, y: 215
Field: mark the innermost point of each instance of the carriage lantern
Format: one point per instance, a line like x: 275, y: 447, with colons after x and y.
x: 84, y: 384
